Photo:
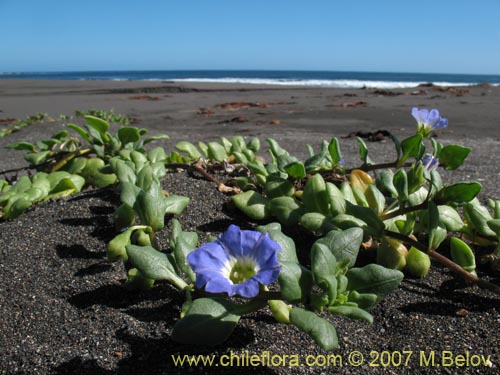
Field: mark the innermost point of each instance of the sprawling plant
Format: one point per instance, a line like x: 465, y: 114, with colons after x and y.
x: 401, y: 212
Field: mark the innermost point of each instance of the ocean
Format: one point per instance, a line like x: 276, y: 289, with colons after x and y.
x: 338, y: 79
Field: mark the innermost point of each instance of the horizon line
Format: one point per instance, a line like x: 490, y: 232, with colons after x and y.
x: 238, y: 70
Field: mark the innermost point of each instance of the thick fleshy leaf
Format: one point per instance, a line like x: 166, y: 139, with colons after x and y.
x: 352, y: 312
x: 175, y: 204
x: 150, y: 207
x: 189, y: 149
x: 152, y: 263
x: 336, y: 199
x: 364, y: 301
x: 343, y: 244
x: 477, y: 217
x: 363, y: 151
x: 98, y: 124
x: 374, y: 225
x: 460, y: 192
x: 323, y: 267
x: 437, y: 233
x: 81, y: 132
x: 321, y: 331
x: 208, y: 321
x: 400, y: 182
x: 462, y: 254
x: 494, y: 225
x: 36, y: 158
x: 385, y: 183
x: 334, y: 150
x: 128, y: 134
x: 450, y: 218
x: 374, y: 279
x: 453, y: 156
x: 286, y: 210
x: 278, y: 187
x: 296, y: 169
x: 252, y: 204
x: 129, y: 193
x: 315, y: 196
x: 22, y: 146
x: 411, y: 147
x: 295, y: 282
x: 288, y: 253
x: 216, y: 152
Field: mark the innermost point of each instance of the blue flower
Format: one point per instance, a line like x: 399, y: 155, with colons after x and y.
x: 428, y: 120
x: 236, y: 263
x: 430, y: 163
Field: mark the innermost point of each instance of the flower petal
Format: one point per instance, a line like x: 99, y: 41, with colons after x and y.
x: 267, y: 276
x: 248, y: 289
x: 266, y: 252
x: 220, y: 285
x: 210, y: 256
x: 231, y: 240
x: 416, y: 114
x: 433, y: 118
x: 250, y: 239
x: 443, y: 123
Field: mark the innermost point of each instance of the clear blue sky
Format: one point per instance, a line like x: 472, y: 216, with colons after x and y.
x: 444, y: 36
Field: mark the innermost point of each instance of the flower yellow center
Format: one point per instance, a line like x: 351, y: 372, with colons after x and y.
x: 242, y: 270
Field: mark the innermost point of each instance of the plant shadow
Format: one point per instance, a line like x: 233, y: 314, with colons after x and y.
x: 150, y: 356
x: 116, y: 296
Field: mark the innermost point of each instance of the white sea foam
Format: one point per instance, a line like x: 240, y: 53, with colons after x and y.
x: 338, y: 83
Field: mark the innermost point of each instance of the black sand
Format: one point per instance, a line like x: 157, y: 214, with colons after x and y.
x: 63, y: 309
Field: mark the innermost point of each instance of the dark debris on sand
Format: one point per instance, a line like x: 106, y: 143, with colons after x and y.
x: 63, y: 309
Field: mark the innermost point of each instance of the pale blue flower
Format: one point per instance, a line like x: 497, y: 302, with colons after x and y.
x: 428, y: 120
x: 236, y: 263
x: 430, y: 163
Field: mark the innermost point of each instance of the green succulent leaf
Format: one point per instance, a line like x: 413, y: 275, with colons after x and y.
x: 252, y: 204
x: 153, y: 264
x: 321, y: 331
x: 365, y: 301
x: 374, y: 279
x: 216, y: 152
x: 81, y: 132
x: 286, y: 210
x: 411, y: 147
x: 462, y: 254
x: 175, y: 204
x: 97, y: 123
x: 460, y: 192
x: 334, y: 150
x: 352, y: 312
x: 208, y: 321
x: 450, y: 218
x: 363, y: 151
x: 453, y: 156
x: 295, y: 282
x: 22, y: 146
x: 437, y: 233
x: 323, y: 267
x: 385, y: 183
x: 189, y: 149
x: 477, y: 217
x: 296, y: 170
x: 288, y: 251
x: 36, y: 158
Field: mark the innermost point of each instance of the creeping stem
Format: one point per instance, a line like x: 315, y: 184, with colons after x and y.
x: 452, y: 266
x: 197, y: 167
x: 403, y: 211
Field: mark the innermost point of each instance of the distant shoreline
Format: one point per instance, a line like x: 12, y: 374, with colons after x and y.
x: 335, y: 79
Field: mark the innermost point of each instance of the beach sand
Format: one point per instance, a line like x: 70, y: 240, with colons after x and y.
x: 63, y: 309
